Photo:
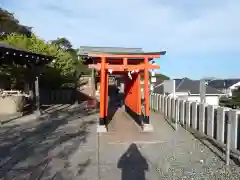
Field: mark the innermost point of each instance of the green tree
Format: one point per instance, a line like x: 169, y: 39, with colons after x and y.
x: 64, y: 43
x: 9, y: 24
x: 236, y: 97
x: 63, y: 65
x: 62, y: 59
x: 232, y: 102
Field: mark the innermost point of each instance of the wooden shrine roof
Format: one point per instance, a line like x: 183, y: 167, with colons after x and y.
x: 94, y: 49
x: 10, y: 54
x: 88, y: 52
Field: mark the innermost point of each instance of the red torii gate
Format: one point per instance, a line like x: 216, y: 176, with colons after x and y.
x: 123, y: 63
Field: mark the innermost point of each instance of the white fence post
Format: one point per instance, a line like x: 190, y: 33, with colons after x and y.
x: 228, y: 147
x: 210, y: 120
x: 169, y: 107
x: 220, y: 124
x: 157, y: 101
x: 188, y: 113
x: 173, y: 107
x: 202, y: 118
x: 152, y: 101
x: 194, y: 115
x: 153, y: 97
x: 165, y: 106
x: 176, y: 113
x: 182, y: 111
x: 160, y: 103
x: 233, y: 116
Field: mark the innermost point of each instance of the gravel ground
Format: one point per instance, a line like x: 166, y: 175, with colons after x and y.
x: 64, y: 145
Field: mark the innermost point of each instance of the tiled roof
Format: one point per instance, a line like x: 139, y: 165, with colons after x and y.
x: 85, y: 50
x: 222, y: 83
x: 91, y: 49
x: 159, y: 89
x: 188, y: 85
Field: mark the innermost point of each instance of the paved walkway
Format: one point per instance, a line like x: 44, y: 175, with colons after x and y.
x: 65, y: 145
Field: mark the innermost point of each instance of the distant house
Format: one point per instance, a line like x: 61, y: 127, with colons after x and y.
x: 225, y: 85
x: 189, y: 90
x: 159, y: 79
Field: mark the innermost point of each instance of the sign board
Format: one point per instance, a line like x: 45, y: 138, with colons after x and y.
x: 153, y: 79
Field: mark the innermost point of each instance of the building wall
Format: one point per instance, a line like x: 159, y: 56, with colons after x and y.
x: 211, y: 100
x: 169, y: 87
x: 184, y: 94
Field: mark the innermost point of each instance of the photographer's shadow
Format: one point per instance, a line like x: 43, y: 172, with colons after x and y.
x: 133, y: 164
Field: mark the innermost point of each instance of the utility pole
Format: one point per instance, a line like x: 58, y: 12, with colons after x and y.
x: 203, y: 84
x: 202, y: 91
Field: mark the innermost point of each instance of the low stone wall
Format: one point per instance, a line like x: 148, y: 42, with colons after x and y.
x: 9, y: 104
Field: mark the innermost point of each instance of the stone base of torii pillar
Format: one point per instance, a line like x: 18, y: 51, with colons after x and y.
x: 101, y: 129
x: 147, y: 128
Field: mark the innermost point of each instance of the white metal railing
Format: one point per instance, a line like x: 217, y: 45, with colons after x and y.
x: 219, y: 124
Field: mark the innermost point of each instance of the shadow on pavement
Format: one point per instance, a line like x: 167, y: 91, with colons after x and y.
x: 41, y: 148
x: 132, y: 164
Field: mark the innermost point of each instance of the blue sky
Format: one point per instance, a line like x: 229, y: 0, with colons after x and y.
x: 202, y: 38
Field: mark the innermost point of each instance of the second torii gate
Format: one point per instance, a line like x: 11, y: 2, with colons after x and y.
x: 130, y: 65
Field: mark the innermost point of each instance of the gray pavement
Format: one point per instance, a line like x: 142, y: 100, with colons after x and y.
x: 64, y: 145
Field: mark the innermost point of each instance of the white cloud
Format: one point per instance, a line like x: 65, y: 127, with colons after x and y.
x: 180, y: 28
